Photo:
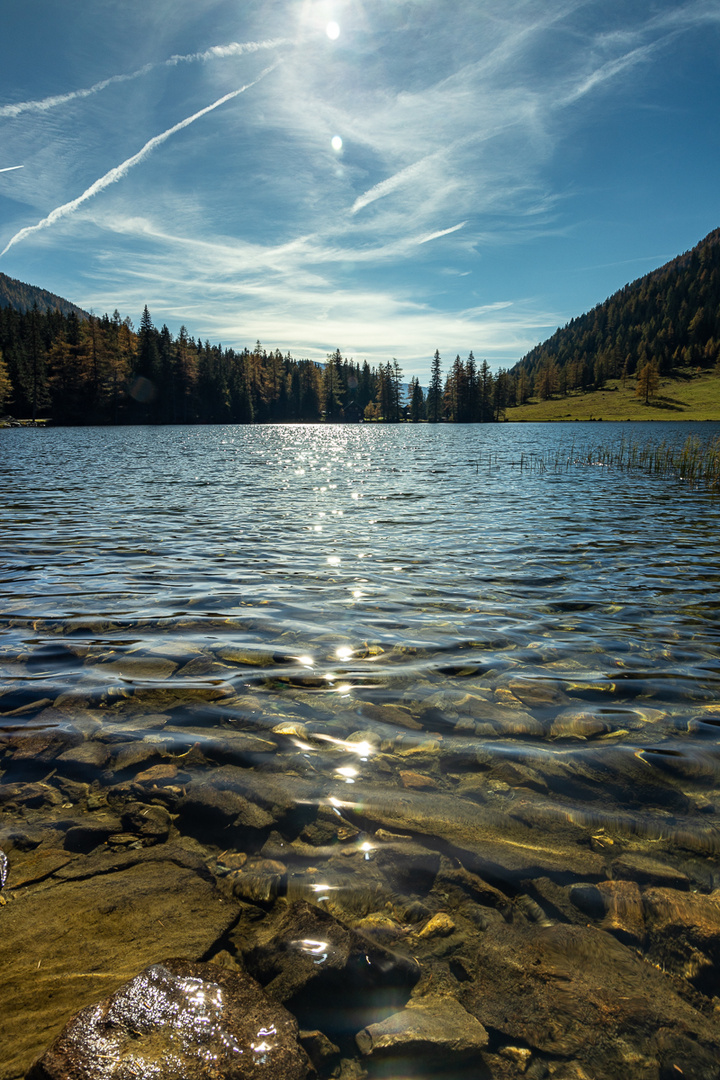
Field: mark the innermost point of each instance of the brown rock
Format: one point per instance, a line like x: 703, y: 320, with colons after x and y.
x: 577, y: 993
x: 684, y: 934
x: 132, y: 754
x: 537, y: 691
x: 441, y: 925
x: 417, y: 780
x: 85, y: 759
x: 390, y: 714
x: 431, y: 1027
x: 67, y: 943
x: 179, y: 1021
x: 624, y: 911
x: 158, y: 774
x: 632, y: 866
x: 329, y: 976
x: 577, y: 725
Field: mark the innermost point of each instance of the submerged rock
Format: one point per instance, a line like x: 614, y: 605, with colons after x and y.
x: 179, y: 1021
x: 576, y: 993
x: 326, y: 974
x: 431, y: 1027
x: 68, y: 942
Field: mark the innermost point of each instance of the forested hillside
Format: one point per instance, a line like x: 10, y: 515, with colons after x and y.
x: 663, y: 323
x: 22, y: 297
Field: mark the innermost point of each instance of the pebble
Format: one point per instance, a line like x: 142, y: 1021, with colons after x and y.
x: 441, y: 925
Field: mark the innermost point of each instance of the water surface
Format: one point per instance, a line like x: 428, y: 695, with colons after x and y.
x: 411, y: 622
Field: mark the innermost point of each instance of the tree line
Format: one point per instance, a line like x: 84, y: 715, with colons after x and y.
x: 104, y: 371
x: 661, y: 324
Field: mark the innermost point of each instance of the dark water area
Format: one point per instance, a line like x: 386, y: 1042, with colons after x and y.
x: 388, y: 677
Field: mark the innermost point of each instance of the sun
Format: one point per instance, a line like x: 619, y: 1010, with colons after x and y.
x: 333, y: 31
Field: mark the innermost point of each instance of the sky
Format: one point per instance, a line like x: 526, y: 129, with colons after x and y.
x: 386, y: 177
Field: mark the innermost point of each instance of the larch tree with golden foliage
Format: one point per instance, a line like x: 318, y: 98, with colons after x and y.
x: 648, y: 381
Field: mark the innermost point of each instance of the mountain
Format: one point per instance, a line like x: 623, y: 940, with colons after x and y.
x: 21, y: 297
x: 669, y: 318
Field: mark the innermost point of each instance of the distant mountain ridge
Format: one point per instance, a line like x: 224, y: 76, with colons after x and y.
x: 16, y: 294
x: 670, y: 318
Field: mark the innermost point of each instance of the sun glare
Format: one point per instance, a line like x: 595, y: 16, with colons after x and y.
x: 336, y: 142
x: 333, y: 31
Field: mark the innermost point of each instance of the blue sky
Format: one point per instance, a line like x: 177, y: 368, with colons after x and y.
x: 384, y: 176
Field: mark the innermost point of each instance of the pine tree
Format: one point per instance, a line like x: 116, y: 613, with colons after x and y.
x: 333, y: 388
x: 417, y: 401
x: 435, y: 391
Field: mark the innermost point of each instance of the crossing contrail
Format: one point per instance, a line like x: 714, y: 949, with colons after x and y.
x: 9, y: 168
x: 217, y: 52
x: 121, y: 170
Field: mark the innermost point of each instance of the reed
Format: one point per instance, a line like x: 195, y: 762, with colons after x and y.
x: 696, y: 462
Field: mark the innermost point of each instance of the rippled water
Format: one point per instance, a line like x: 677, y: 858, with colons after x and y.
x: 429, y: 638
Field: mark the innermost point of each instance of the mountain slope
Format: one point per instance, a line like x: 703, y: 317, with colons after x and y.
x: 670, y: 317
x: 16, y: 294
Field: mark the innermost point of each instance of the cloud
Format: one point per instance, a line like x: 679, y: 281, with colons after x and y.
x: 217, y: 52
x: 442, y: 232
x: 121, y: 170
x: 11, y: 168
x: 264, y: 232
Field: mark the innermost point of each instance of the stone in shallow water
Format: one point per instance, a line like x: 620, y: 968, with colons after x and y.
x: 179, y: 1021
x: 329, y: 976
x: 66, y: 943
x: 431, y: 1027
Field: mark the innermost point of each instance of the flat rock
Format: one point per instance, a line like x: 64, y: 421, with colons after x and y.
x: 624, y: 915
x: 85, y: 759
x: 491, y: 844
x: 65, y: 944
x: 179, y: 1021
x: 633, y: 866
x: 431, y: 1027
x: 577, y: 993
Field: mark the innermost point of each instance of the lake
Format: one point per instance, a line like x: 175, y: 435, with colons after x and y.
x: 388, y: 675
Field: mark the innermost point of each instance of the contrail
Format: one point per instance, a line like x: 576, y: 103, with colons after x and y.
x: 121, y: 170
x: 217, y: 52
x: 442, y: 232
x: 9, y: 168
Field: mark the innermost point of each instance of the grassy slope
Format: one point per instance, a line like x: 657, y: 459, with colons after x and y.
x: 695, y: 397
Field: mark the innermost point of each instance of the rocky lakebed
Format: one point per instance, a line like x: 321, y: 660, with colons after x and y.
x: 356, y: 752
x: 188, y: 894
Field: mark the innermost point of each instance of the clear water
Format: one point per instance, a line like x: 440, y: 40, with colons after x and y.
x: 397, y: 610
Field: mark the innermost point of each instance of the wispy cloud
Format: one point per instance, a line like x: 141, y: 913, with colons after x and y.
x: 442, y: 232
x: 121, y: 170
x: 217, y: 52
x: 454, y: 133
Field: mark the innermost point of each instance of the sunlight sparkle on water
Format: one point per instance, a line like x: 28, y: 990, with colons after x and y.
x: 343, y: 652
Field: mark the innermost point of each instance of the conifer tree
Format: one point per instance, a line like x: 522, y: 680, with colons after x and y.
x: 333, y: 387
x: 435, y: 391
x: 417, y: 402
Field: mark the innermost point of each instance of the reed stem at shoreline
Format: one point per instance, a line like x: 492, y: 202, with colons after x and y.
x: 695, y: 462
